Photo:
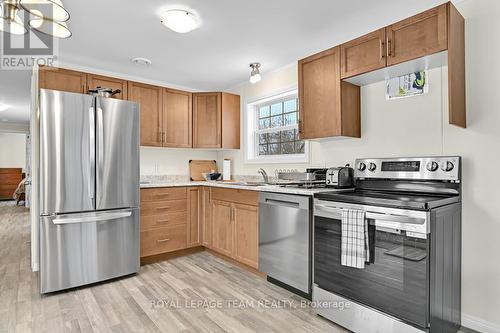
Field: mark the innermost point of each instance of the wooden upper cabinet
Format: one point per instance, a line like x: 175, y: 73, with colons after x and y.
x: 216, y: 120
x: 328, y: 107
x: 150, y: 99
x: 207, y: 113
x: 363, y: 54
x: 417, y: 36
x: 94, y: 81
x: 63, y: 80
x: 230, y: 121
x: 177, y: 118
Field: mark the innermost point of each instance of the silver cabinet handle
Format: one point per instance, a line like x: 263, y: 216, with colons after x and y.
x: 91, y: 218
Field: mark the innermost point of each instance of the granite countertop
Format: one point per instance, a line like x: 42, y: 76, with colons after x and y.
x: 155, y: 183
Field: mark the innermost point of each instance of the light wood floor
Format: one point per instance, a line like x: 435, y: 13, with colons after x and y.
x: 126, y: 305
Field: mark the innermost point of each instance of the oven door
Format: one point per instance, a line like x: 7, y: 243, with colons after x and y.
x: 396, y: 281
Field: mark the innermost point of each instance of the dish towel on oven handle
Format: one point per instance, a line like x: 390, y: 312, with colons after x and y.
x: 355, y: 241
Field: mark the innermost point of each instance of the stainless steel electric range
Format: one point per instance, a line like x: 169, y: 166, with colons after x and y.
x: 413, y: 280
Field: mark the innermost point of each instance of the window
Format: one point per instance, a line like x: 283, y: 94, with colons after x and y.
x: 273, y: 130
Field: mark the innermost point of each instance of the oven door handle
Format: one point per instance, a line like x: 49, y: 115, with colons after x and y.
x: 336, y: 212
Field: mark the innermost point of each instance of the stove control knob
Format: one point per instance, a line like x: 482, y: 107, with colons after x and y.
x: 372, y: 167
x: 361, y: 166
x: 447, y: 166
x: 432, y: 166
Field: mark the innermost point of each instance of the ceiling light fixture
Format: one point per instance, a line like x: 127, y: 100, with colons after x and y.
x: 255, y: 74
x: 50, y: 17
x: 179, y: 20
x: 141, y: 61
x: 3, y: 107
x: 9, y: 18
x: 47, y: 9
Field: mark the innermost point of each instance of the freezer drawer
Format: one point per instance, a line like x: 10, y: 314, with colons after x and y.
x: 78, y: 249
x: 284, y: 239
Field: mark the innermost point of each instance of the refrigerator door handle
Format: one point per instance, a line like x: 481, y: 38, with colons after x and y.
x: 91, y: 218
x: 100, y: 153
x: 91, y: 181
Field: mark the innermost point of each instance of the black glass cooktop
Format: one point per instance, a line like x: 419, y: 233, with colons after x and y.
x: 407, y: 200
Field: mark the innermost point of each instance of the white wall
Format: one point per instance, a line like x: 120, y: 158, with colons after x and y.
x: 12, y: 150
x: 419, y: 126
x: 171, y: 161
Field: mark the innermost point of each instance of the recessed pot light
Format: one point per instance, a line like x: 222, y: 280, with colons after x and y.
x: 179, y: 20
x: 141, y: 61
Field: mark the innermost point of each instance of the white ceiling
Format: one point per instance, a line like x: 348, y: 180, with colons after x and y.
x: 233, y: 33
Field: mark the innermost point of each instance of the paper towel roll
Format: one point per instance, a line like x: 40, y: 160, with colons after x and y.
x: 226, y: 169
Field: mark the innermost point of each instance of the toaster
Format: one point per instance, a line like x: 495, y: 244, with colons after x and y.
x: 342, y: 177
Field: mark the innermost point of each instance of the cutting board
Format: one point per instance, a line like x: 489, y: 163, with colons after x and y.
x: 198, y: 167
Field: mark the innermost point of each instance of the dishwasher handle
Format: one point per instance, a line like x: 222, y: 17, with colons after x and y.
x: 276, y: 202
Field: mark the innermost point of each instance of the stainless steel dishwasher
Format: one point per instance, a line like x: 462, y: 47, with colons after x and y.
x: 285, y: 240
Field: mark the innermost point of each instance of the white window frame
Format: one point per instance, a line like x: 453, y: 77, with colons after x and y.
x: 251, y: 142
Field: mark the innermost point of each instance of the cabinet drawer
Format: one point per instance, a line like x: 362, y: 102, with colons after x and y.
x: 163, y: 240
x: 163, y: 207
x: 164, y: 193
x: 235, y: 195
x: 165, y: 220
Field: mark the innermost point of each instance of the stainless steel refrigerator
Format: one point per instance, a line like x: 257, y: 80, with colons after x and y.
x: 89, y: 189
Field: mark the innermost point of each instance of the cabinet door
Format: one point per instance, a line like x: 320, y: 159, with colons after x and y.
x: 363, y: 54
x: 230, y: 121
x: 207, y: 120
x: 320, y: 95
x: 206, y: 217
x: 94, y: 81
x: 417, y: 36
x: 150, y: 100
x: 246, y: 235
x: 222, y: 227
x: 194, y: 217
x: 177, y: 118
x: 63, y: 80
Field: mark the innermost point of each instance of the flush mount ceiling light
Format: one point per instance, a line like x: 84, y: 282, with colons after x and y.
x: 255, y: 74
x: 3, y: 107
x: 179, y: 20
x: 49, y: 17
x: 141, y: 61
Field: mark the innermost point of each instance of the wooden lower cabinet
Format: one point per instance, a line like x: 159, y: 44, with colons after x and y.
x: 194, y: 217
x: 235, y: 223
x: 164, y: 217
x: 223, y: 220
x: 161, y: 240
x: 222, y: 227
x: 246, y: 235
x: 206, y: 221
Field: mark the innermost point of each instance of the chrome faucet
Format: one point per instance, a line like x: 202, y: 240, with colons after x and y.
x: 264, y: 175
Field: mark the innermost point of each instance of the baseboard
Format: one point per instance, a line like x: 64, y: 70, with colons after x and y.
x: 479, y: 324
